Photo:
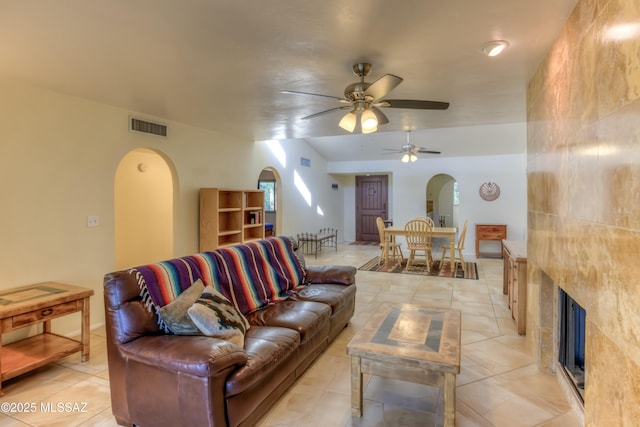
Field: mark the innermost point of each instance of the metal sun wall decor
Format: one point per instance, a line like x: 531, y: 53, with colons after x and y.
x: 489, y: 191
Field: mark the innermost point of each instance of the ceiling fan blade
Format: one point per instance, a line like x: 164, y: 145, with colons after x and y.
x: 383, y: 86
x: 382, y: 119
x: 414, y: 104
x: 392, y: 150
x: 425, y: 151
x: 295, y: 92
x: 321, y: 113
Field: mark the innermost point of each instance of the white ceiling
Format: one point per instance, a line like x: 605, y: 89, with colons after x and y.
x: 223, y: 65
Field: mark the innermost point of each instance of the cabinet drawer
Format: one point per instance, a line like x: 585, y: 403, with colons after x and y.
x: 486, y: 235
x: 490, y: 232
x: 46, y: 313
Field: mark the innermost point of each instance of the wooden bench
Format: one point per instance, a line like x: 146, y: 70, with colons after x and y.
x: 311, y: 243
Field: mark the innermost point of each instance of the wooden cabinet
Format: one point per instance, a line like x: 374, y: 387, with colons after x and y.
x: 229, y: 217
x: 34, y: 304
x: 497, y: 232
x: 514, y: 253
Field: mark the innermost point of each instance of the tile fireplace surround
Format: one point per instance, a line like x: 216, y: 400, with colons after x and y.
x: 548, y: 349
x: 583, y: 173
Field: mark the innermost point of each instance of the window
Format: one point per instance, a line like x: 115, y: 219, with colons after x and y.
x: 456, y: 194
x: 269, y: 188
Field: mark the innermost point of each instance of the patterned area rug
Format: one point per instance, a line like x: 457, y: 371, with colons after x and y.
x: 420, y: 269
x: 362, y: 243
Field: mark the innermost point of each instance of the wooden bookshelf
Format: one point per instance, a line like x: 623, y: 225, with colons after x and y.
x: 230, y: 217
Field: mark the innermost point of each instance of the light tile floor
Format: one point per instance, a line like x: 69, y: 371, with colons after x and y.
x: 499, y: 384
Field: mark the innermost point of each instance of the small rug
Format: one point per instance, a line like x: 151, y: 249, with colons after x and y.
x: 362, y: 243
x: 420, y: 269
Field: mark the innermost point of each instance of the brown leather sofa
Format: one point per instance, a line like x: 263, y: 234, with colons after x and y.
x: 160, y: 379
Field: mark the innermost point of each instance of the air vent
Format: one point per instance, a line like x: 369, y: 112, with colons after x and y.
x: 144, y: 126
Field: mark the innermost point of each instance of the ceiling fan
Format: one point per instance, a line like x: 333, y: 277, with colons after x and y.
x: 365, y: 99
x: 409, y: 151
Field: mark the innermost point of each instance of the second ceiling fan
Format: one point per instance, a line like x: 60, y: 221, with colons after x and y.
x: 365, y: 100
x: 409, y: 151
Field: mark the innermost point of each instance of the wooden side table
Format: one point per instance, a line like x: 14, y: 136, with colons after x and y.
x: 496, y: 232
x: 515, y: 280
x: 40, y: 303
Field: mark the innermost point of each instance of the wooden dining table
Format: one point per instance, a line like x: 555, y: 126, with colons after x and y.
x: 450, y: 232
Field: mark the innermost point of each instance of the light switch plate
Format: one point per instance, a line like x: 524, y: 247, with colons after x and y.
x: 93, y: 221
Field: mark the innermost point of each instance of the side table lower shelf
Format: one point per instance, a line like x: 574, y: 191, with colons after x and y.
x: 34, y: 352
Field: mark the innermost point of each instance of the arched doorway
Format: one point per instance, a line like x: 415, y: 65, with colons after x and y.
x: 144, y: 208
x: 442, y: 200
x: 269, y: 181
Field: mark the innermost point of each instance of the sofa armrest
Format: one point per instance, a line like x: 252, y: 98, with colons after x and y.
x: 338, y: 274
x: 195, y: 355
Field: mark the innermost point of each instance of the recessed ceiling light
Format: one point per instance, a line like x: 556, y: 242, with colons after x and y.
x: 494, y: 47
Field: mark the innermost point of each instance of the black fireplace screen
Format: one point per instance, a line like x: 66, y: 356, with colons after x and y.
x: 572, y: 337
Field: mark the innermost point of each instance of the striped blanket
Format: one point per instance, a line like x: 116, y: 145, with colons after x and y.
x: 250, y: 275
x: 256, y: 274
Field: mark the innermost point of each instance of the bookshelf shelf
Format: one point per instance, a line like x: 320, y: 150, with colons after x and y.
x: 230, y: 217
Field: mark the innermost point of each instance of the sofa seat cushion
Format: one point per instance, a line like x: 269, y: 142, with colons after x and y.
x: 336, y: 296
x: 271, y: 355
x: 305, y: 317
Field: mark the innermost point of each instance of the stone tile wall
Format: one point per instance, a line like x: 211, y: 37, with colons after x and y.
x: 583, y: 160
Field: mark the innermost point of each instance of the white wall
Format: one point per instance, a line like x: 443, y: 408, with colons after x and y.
x: 408, y: 198
x: 58, y: 161
x: 323, y: 207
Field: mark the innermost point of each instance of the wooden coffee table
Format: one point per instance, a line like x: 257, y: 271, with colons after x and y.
x: 408, y: 343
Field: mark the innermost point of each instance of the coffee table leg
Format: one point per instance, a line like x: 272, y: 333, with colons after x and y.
x: 356, y: 386
x: 449, y: 391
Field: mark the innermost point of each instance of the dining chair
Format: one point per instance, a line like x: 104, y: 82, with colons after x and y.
x: 419, y: 235
x: 457, y: 250
x: 426, y: 218
x: 388, y: 245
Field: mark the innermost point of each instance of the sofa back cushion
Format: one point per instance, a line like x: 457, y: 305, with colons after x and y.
x: 166, y: 280
x: 161, y: 283
x: 206, y: 263
x: 255, y: 274
x: 280, y: 251
x: 244, y: 277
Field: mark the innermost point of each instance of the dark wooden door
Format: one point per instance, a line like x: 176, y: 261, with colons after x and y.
x: 371, y: 202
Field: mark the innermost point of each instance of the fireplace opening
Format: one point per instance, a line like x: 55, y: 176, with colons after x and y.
x: 572, y: 336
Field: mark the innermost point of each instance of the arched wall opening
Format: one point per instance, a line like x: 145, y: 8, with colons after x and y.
x: 442, y: 200
x: 274, y: 217
x: 144, y: 193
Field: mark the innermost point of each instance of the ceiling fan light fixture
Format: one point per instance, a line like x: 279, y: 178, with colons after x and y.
x: 368, y: 121
x: 348, y: 122
x: 409, y: 157
x: 494, y: 47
